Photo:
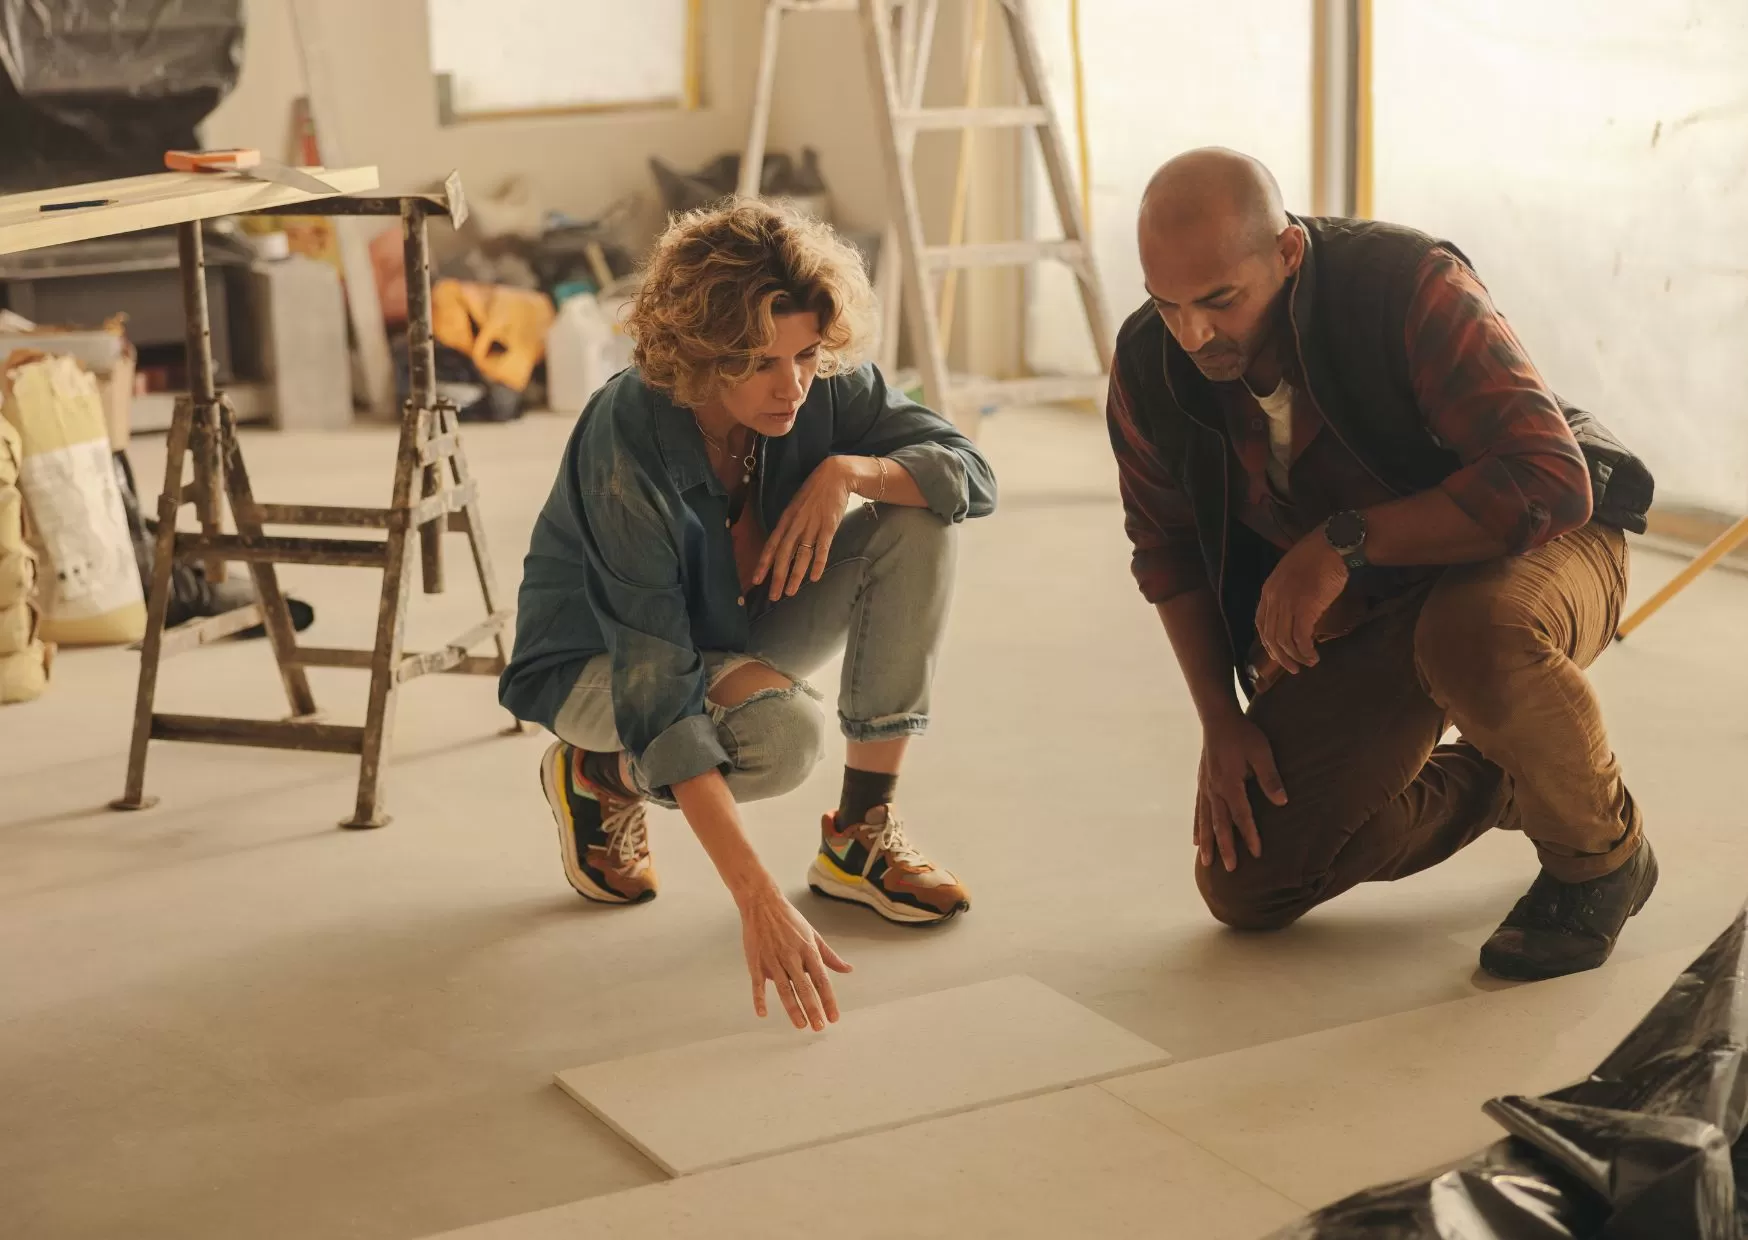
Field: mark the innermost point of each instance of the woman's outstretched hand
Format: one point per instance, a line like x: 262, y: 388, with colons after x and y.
x: 785, y: 951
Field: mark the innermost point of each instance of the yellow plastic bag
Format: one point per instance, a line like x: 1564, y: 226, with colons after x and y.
x: 503, y: 330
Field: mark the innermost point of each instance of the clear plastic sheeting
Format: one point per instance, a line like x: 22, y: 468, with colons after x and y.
x: 95, y: 89
x: 1650, y: 1146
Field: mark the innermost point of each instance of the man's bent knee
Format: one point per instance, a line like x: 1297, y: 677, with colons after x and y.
x: 1247, y: 903
x: 1469, y: 638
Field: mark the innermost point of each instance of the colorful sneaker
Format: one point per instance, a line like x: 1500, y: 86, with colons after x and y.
x: 603, y: 838
x: 873, y: 863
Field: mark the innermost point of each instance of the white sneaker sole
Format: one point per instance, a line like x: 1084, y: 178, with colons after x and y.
x: 574, y: 872
x: 860, y: 891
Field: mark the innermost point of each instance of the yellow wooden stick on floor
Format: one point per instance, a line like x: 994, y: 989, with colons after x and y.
x: 1721, y: 546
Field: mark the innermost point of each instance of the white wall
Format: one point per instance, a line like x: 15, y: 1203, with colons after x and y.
x: 1592, y: 159
x: 1162, y: 76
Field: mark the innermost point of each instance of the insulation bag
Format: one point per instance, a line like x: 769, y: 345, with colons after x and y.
x: 91, y: 585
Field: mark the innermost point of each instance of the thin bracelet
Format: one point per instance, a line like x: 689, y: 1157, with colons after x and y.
x: 881, y: 462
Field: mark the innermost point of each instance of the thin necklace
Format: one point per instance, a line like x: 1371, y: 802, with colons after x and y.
x: 710, y: 439
x: 748, y: 463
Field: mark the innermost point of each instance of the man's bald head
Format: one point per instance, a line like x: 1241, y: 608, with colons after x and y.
x: 1217, y: 250
x: 1214, y: 196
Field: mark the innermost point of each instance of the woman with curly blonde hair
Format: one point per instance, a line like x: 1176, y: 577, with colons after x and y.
x: 698, y: 556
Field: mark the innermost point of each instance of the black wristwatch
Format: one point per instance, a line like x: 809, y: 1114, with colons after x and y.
x: 1346, y: 532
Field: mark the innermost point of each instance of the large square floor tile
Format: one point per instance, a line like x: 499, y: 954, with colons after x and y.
x: 724, y: 1101
x: 1075, y: 1163
x: 1319, y: 1116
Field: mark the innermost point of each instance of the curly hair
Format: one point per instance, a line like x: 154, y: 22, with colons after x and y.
x: 718, y: 277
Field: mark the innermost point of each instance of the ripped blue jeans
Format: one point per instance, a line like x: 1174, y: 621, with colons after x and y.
x: 882, y: 601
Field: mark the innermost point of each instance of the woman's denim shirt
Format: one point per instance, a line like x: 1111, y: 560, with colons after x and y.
x: 631, y: 556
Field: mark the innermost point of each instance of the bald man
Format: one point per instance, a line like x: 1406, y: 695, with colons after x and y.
x: 1345, y: 480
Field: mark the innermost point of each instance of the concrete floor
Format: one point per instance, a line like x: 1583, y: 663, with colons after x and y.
x: 224, y: 1017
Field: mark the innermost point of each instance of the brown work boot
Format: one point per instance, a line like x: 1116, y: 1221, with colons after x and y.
x: 1560, y: 928
x: 873, y: 863
x: 602, y: 837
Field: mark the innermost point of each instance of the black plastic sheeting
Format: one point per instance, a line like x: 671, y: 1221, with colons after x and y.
x: 94, y: 89
x: 1649, y: 1147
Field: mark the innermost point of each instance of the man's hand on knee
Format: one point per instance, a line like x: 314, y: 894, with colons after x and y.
x: 1233, y: 752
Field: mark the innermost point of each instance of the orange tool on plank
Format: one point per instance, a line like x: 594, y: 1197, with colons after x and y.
x: 245, y: 161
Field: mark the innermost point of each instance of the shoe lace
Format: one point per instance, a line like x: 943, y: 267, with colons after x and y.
x: 627, y: 830
x: 1567, y: 906
x: 896, y: 845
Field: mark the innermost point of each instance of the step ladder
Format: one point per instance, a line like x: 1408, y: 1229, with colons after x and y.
x: 898, y: 74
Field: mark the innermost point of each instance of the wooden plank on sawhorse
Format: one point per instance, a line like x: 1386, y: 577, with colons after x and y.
x: 130, y: 204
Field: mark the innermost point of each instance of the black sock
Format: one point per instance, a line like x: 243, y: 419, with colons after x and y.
x: 863, y: 790
x: 602, y: 770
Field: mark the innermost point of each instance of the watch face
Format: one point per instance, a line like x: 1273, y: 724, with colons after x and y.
x: 1346, y: 530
